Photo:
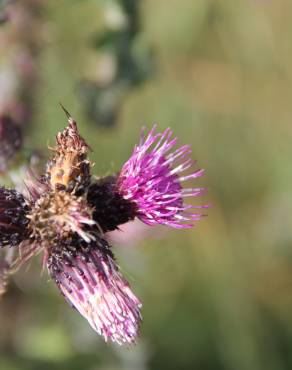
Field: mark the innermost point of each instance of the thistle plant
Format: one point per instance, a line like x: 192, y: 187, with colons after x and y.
x: 67, y: 214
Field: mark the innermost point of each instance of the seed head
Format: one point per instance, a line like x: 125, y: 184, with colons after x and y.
x: 58, y: 214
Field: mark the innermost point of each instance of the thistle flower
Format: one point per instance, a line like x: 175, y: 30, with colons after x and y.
x: 89, y: 278
x: 66, y: 215
x: 149, y: 186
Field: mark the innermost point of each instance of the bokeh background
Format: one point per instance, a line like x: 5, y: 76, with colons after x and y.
x: 219, y: 72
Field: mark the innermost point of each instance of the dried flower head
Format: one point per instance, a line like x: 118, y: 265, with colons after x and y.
x: 66, y: 216
x: 59, y: 213
x: 69, y: 167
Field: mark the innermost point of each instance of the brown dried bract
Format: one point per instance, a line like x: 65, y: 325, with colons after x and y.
x: 69, y: 169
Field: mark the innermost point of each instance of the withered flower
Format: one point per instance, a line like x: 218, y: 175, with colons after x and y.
x: 66, y: 216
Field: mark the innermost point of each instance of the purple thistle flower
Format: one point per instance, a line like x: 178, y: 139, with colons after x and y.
x: 152, y: 179
x: 92, y: 283
x: 66, y: 216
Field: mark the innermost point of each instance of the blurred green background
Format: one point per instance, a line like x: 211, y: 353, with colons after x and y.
x: 218, y: 297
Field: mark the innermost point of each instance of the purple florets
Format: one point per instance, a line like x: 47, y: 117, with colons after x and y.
x: 90, y: 280
x: 152, y: 179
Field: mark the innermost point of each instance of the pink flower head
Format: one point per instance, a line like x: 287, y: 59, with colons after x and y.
x: 152, y: 179
x: 92, y: 283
